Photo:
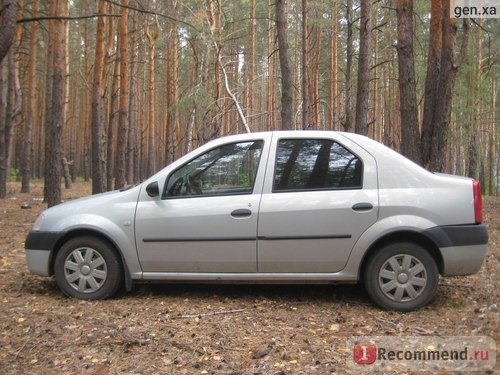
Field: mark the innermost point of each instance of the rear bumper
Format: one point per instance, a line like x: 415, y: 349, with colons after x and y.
x: 463, y: 260
x: 463, y: 247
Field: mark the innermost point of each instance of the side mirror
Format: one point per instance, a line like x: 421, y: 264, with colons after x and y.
x: 152, y: 189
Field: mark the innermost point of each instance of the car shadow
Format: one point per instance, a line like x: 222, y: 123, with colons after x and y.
x: 312, y: 293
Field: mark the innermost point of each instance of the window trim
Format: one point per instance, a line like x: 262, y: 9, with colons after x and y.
x: 277, y: 191
x: 164, y: 195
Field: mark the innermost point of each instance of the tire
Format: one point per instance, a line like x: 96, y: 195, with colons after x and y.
x: 401, y: 276
x: 88, y: 268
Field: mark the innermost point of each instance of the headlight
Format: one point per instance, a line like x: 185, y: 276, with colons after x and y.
x: 38, y: 222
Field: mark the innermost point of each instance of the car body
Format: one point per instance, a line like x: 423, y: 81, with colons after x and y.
x: 271, y: 207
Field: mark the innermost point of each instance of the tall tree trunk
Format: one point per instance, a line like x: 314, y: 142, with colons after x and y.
x: 97, y: 121
x: 315, y: 67
x: 364, y: 68
x: 410, y: 134
x: 151, y: 168
x: 31, y: 103
x: 448, y: 72
x: 112, y: 120
x: 8, y: 17
x: 172, y: 118
x: 132, y: 148
x: 85, y: 120
x: 56, y: 102
x: 493, y: 155
x: 271, y: 69
x: 432, y: 79
x: 474, y: 124
x: 123, y: 117
x: 250, y: 65
x: 286, y: 71
x: 304, y: 68
x: 213, y: 128
x: 12, y: 107
x: 4, y: 83
x: 348, y: 121
x: 333, y: 95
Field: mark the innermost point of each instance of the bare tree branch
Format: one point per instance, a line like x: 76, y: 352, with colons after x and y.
x: 145, y: 11
x: 69, y: 18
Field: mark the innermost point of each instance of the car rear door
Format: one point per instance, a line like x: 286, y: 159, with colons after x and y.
x: 321, y: 197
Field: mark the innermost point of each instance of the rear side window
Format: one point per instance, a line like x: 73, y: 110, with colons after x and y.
x: 315, y: 164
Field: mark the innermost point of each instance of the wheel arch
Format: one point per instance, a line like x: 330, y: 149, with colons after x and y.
x: 403, y: 236
x: 82, y: 232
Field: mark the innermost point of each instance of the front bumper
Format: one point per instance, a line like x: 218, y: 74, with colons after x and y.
x: 38, y: 248
x: 38, y: 261
x: 463, y: 247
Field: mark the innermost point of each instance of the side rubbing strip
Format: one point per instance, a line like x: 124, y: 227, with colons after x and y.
x: 260, y: 238
x: 200, y: 239
x: 293, y: 238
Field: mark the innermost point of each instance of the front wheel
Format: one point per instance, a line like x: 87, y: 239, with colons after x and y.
x: 88, y: 268
x: 401, y: 276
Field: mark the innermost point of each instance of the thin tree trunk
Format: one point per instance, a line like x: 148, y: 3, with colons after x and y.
x: 112, y: 119
x: 132, y: 156
x: 4, y: 83
x: 448, y: 72
x: 13, y: 106
x: 333, y: 95
x: 364, y: 68
x: 172, y: 117
x: 151, y: 168
x: 432, y: 79
x: 31, y: 103
x: 8, y: 17
x: 56, y: 103
x: 286, y: 71
x: 250, y: 65
x: 123, y: 117
x: 97, y: 121
x: 304, y: 68
x: 315, y: 73
x: 348, y: 121
x: 493, y: 155
x: 271, y: 68
x: 410, y: 134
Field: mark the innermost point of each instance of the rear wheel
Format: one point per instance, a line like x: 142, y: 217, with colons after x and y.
x: 401, y: 276
x: 88, y: 268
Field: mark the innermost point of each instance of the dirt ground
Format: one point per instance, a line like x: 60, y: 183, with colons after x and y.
x: 212, y: 329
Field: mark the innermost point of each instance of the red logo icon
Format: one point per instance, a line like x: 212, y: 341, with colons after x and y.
x: 365, y: 353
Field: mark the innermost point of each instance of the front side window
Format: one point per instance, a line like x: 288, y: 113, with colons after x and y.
x: 315, y: 164
x: 226, y: 170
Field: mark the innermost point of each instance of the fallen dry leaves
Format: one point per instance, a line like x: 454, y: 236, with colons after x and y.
x: 212, y: 329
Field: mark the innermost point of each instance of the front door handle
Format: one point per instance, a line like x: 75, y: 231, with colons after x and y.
x: 364, y: 206
x: 242, y: 212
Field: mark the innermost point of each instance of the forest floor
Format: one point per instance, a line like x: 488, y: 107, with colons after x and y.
x: 213, y: 329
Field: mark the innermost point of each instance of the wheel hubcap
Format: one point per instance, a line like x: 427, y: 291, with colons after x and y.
x: 402, y: 278
x: 85, y: 270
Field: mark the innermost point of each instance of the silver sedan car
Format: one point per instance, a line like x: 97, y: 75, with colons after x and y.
x: 273, y: 207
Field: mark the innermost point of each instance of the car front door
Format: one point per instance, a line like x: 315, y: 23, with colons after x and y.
x: 206, y: 219
x: 321, y: 198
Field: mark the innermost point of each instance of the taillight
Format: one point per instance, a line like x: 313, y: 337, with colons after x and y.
x: 478, y: 203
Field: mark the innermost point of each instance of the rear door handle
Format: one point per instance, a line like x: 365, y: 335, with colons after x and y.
x: 364, y: 206
x: 242, y: 212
